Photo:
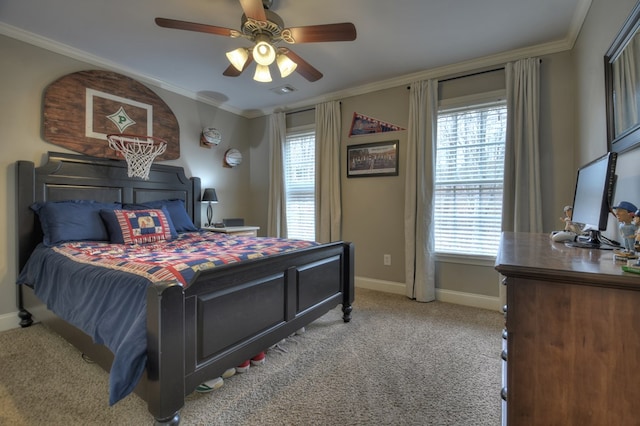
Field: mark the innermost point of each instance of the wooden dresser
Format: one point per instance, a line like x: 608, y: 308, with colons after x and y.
x: 572, y: 341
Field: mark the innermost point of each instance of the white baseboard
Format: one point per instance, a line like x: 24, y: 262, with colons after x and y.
x: 9, y: 321
x: 380, y: 285
x: 469, y: 299
x: 448, y: 296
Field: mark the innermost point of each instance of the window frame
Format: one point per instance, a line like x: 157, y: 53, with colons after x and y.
x: 463, y: 102
x: 293, y: 132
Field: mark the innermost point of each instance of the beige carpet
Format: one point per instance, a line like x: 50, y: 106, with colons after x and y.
x: 397, y: 363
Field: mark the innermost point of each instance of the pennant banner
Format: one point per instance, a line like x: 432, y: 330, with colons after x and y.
x: 363, y: 125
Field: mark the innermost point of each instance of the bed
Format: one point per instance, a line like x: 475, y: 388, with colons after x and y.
x: 225, y: 315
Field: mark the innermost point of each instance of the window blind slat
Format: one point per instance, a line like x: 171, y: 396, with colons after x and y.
x: 299, y: 176
x: 469, y: 179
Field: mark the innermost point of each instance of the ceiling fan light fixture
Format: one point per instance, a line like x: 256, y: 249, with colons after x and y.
x: 285, y: 65
x: 238, y: 58
x: 263, y: 52
x: 262, y: 74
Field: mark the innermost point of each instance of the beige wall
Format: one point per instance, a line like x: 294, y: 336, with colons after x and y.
x: 26, y: 71
x: 602, y: 24
x: 373, y: 207
x: 572, y: 132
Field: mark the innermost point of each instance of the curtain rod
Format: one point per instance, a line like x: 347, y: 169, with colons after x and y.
x: 467, y: 75
x: 456, y: 77
x: 296, y: 111
x: 472, y: 74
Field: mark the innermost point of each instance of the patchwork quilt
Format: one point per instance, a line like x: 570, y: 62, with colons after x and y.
x: 179, y: 259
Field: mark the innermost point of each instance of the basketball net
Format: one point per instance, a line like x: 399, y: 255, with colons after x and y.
x: 138, y: 151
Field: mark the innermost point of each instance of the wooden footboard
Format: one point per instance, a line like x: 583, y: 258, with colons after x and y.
x: 233, y: 312
x: 228, y: 315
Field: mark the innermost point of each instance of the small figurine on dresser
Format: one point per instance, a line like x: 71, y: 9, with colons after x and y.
x: 625, y: 212
x: 571, y: 229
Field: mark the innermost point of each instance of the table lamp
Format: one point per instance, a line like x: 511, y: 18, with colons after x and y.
x: 210, y: 197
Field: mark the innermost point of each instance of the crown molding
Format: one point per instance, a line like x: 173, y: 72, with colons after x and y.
x: 439, y: 72
x: 83, y: 56
x: 457, y: 68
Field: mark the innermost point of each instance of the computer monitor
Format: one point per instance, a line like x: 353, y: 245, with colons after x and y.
x: 592, y: 199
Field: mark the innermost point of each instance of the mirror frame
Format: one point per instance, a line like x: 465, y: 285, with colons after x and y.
x: 628, y: 138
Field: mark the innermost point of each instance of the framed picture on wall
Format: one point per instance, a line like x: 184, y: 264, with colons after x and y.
x: 372, y: 159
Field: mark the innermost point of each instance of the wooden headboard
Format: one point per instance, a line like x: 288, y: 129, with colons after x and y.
x: 80, y: 177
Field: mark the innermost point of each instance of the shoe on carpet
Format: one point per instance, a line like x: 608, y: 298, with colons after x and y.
x: 230, y: 372
x: 210, y: 385
x: 258, y: 359
x: 298, y: 332
x: 281, y: 342
x: 244, y: 367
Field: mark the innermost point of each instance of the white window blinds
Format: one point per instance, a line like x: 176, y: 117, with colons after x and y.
x: 299, y: 175
x: 469, y: 179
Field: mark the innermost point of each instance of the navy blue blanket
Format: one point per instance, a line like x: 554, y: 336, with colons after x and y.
x: 112, y: 311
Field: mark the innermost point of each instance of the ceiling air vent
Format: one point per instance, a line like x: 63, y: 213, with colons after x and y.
x: 283, y: 90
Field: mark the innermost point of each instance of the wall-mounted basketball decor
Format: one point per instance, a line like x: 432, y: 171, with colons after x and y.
x: 82, y: 108
x: 232, y: 158
x: 210, y: 137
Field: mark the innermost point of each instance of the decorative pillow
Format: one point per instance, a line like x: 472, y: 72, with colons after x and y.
x: 72, y: 220
x: 177, y: 211
x: 138, y: 226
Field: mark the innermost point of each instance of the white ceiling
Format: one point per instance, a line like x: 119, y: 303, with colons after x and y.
x: 397, y: 41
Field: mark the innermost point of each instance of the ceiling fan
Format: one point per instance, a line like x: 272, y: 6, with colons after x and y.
x: 266, y: 30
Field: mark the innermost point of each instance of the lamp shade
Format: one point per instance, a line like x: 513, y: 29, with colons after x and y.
x: 285, y: 65
x: 262, y: 74
x: 263, y: 51
x: 210, y: 195
x: 238, y: 58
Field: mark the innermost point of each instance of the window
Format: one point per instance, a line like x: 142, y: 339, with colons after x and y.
x: 469, y: 179
x: 299, y: 180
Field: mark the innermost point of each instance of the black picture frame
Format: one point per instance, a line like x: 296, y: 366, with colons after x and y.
x: 373, y: 159
x: 620, y: 139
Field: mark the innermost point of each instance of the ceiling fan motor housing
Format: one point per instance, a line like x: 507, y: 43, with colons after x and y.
x: 272, y: 26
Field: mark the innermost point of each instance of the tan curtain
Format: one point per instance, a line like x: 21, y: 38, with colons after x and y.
x: 419, y: 185
x: 277, y: 217
x: 328, y: 200
x: 522, y: 205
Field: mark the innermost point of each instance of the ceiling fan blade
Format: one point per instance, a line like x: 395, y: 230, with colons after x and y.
x: 304, y: 68
x: 232, y: 71
x: 192, y: 26
x: 253, y: 9
x: 345, y: 31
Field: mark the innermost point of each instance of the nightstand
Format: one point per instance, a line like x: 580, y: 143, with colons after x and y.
x: 247, y: 231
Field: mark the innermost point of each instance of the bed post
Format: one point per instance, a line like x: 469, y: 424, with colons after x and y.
x: 25, y: 171
x: 348, y: 295
x: 165, y: 352
x: 196, y: 209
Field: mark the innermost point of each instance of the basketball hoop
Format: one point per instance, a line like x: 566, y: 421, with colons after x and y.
x: 138, y: 151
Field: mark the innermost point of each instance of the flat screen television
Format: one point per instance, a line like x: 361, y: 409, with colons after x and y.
x: 592, y: 199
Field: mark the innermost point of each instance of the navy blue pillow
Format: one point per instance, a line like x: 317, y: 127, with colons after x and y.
x: 72, y: 220
x: 179, y: 216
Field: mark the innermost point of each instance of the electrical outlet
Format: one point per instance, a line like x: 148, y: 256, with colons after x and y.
x: 387, y: 260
